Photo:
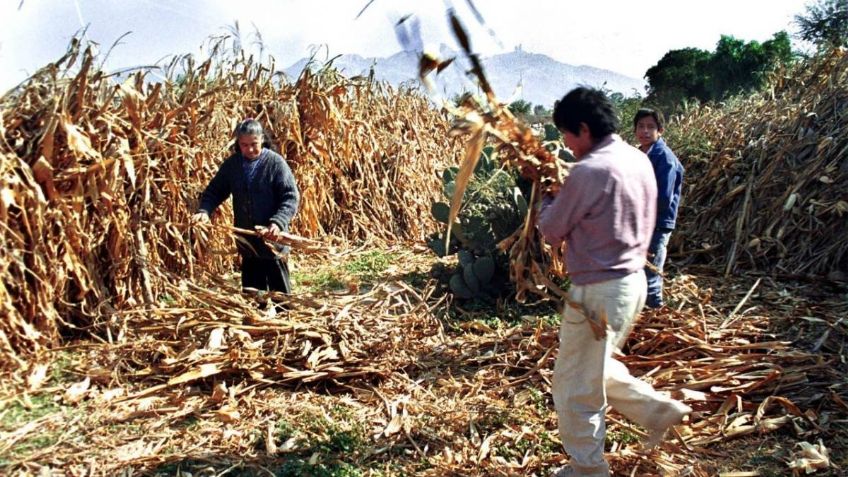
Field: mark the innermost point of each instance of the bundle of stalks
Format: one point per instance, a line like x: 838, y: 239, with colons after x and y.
x: 99, y: 179
x: 772, y: 175
x: 220, y: 334
x: 532, y: 263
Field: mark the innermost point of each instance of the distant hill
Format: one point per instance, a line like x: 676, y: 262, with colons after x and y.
x: 543, y: 79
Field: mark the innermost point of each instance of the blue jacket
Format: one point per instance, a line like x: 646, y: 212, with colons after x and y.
x: 269, y: 196
x: 669, y: 173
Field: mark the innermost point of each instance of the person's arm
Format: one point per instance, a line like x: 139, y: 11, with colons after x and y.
x: 666, y: 179
x: 216, y: 192
x: 575, y: 199
x: 287, y: 196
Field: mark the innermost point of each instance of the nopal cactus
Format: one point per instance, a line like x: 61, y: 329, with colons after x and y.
x: 473, y: 277
x: 494, y: 208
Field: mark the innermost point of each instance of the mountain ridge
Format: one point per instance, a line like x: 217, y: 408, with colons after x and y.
x: 518, y: 74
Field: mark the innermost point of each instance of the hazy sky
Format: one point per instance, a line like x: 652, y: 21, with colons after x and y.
x: 624, y: 36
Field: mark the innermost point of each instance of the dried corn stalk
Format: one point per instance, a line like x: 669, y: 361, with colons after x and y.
x: 98, y: 180
x: 532, y: 262
x: 772, y: 169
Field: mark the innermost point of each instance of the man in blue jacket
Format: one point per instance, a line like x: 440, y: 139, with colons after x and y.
x: 648, y: 125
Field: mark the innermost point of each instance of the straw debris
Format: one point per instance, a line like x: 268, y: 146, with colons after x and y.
x: 774, y: 176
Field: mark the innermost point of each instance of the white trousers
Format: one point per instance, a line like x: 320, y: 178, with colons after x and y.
x: 586, y: 377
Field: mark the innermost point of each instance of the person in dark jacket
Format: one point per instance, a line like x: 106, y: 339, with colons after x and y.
x: 265, y: 198
x: 648, y: 125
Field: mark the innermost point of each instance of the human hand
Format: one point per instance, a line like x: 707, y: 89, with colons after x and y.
x: 529, y: 172
x: 272, y: 233
x: 200, y: 218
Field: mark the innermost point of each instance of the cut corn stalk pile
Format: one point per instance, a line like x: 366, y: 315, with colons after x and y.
x: 177, y: 370
x: 308, y: 338
x: 772, y: 192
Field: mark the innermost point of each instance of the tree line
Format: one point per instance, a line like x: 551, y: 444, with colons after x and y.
x: 691, y: 75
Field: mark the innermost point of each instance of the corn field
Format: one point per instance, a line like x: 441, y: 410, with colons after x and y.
x: 772, y: 176
x: 99, y: 180
x: 128, y: 349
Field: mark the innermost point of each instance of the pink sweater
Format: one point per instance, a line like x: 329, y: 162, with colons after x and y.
x: 605, y: 212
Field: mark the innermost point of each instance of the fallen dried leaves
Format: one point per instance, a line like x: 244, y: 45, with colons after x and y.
x: 433, y: 396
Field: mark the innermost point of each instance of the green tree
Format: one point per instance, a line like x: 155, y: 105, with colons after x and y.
x: 731, y: 64
x: 825, y: 23
x: 540, y: 110
x: 551, y: 133
x: 627, y: 107
x: 680, y: 74
x: 520, y: 107
x: 735, y: 67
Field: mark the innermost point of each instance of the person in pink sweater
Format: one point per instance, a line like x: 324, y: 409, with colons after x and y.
x: 605, y: 213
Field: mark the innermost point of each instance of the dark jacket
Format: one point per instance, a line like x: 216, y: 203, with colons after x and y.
x: 669, y: 173
x: 270, y: 197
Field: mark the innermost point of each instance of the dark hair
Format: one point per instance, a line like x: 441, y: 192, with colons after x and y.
x: 586, y: 105
x: 645, y: 112
x: 251, y: 127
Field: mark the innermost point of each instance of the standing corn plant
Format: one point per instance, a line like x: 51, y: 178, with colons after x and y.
x: 98, y: 179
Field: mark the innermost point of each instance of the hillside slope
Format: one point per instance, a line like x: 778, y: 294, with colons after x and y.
x: 543, y: 79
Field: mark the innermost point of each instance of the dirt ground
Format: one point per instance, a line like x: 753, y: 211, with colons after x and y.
x: 458, y: 388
